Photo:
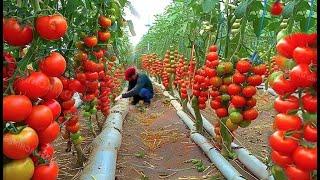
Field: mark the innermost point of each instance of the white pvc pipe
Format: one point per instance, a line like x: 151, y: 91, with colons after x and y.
x: 258, y: 168
x: 218, y: 160
x: 102, y: 162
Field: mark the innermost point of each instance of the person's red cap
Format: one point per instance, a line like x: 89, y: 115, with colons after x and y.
x: 130, y: 72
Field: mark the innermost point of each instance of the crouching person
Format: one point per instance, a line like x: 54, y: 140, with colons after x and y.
x: 140, y: 87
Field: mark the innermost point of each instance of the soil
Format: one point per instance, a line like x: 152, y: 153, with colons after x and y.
x: 67, y: 161
x: 156, y: 143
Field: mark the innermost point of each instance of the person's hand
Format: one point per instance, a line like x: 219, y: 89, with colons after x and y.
x: 118, y: 98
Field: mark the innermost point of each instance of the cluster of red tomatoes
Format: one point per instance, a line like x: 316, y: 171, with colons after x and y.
x: 31, y: 112
x: 181, y: 77
x: 293, y: 143
x: 152, y: 64
x: 91, y: 72
x: 168, y: 68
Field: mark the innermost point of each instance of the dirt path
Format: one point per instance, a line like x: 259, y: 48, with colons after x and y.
x: 156, y: 145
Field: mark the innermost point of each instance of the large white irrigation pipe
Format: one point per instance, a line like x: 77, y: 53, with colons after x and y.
x: 258, y: 168
x: 219, y: 161
x: 102, y: 163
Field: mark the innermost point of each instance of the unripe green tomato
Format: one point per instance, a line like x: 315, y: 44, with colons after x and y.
x: 86, y: 114
x: 235, y: 25
x: 93, y: 110
x: 74, y: 136
x: 237, y: 21
x: 244, y: 124
x: 234, y: 31
x: 283, y: 25
x: 21, y: 169
x: 78, y: 140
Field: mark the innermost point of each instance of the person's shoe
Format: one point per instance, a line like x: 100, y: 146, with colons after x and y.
x: 134, y: 102
x: 147, y: 103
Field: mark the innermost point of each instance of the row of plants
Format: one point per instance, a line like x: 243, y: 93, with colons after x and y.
x: 52, y: 50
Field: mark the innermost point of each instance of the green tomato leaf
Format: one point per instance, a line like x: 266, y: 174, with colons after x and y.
x: 208, y: 5
x: 242, y: 8
x: 288, y: 9
x: 278, y: 172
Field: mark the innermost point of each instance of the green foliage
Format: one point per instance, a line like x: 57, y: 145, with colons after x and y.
x: 182, y: 26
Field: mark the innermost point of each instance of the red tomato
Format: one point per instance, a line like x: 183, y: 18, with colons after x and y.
x: 54, y: 107
x: 285, y: 49
x: 40, y: 117
x: 104, y: 21
x: 283, y: 86
x: 250, y: 114
x: 103, y: 36
x: 45, y: 151
x: 92, y: 85
x: 56, y: 88
x: 75, y: 85
x: 276, y: 8
x: 251, y: 102
x: 285, y: 105
x: 282, y: 144
x: 68, y: 104
x: 249, y: 91
x: 72, y: 121
x: 305, y: 55
x: 210, y: 72
x: 243, y: 66
x: 221, y: 112
x: 202, y: 106
x: 66, y: 95
x: 49, y: 134
x: 74, y: 128
x: 286, y: 122
x: 16, y: 108
x: 234, y: 89
x: 238, y: 101
x: 260, y: 69
x: 92, y: 76
x: 53, y: 65
x: 88, y: 97
x: 305, y: 158
x: 254, y: 80
x: 98, y: 54
x: 65, y: 82
x: 213, y: 48
x: 281, y: 160
x: 20, y: 146
x: 238, y: 78
x: 212, y: 56
x: 51, y: 27
x: 90, y: 41
x: 34, y: 86
x: 301, y: 76
x: 294, y: 173
x: 16, y: 35
x: 310, y: 133
x: 9, y: 65
x: 48, y: 172
x: 81, y: 77
x: 309, y: 103
x: 196, y: 92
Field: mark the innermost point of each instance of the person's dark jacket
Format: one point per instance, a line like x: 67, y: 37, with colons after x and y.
x: 142, y: 81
